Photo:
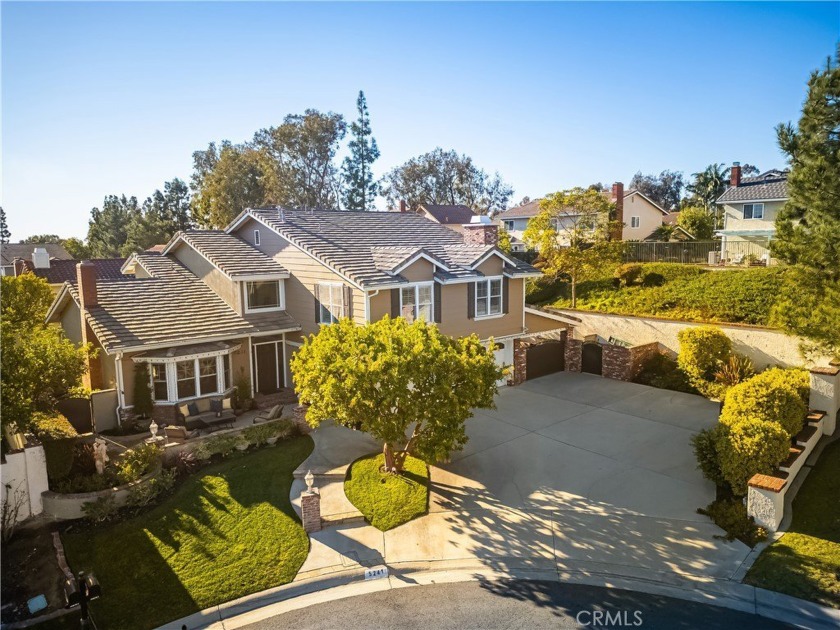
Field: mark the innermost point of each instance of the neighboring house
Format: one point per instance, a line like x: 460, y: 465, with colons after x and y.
x: 39, y: 254
x: 57, y: 272
x: 643, y: 217
x: 750, y: 207
x: 453, y: 217
x: 218, y: 306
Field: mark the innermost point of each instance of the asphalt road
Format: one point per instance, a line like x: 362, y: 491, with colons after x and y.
x: 513, y: 604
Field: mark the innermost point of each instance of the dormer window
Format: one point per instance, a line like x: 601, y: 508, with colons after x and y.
x: 753, y: 210
x: 263, y: 295
x: 256, y: 237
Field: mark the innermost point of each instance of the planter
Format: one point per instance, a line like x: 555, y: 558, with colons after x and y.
x: 242, y: 447
x: 272, y: 440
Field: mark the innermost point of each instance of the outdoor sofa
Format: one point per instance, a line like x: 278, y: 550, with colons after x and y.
x: 206, y: 413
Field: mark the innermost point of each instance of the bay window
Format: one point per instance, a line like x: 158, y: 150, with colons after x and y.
x: 176, y: 379
x: 488, y: 297
x: 207, y: 379
x: 263, y: 295
x: 185, y: 375
x: 160, y: 388
x: 417, y: 302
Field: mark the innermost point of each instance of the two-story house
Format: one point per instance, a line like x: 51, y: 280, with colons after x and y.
x: 217, y: 306
x: 453, y: 217
x: 750, y: 207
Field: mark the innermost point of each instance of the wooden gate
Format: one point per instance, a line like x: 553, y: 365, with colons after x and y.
x: 592, y: 357
x: 545, y: 358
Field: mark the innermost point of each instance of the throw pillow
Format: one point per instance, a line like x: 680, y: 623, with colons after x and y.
x: 227, y: 403
x: 184, y: 410
x: 216, y: 405
x: 193, y: 407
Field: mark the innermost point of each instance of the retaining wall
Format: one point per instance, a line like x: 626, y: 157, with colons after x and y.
x: 24, y: 477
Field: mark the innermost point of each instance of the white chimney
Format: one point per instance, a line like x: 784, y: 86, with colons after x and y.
x: 40, y: 258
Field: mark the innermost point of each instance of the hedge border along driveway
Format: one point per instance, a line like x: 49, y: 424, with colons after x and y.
x: 227, y: 531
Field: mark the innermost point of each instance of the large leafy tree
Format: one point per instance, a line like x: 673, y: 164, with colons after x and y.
x: 43, y: 238
x: 38, y: 364
x: 572, y: 233
x: 697, y: 222
x: 162, y: 215
x: 5, y: 235
x: 444, y: 177
x: 808, y: 228
x: 108, y: 227
x: 407, y: 385
x: 360, y: 189
x: 707, y: 186
x: 665, y: 189
x: 76, y: 248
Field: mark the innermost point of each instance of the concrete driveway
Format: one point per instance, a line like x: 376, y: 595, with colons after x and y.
x: 572, y: 473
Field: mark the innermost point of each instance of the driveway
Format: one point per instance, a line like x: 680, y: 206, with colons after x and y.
x: 571, y: 473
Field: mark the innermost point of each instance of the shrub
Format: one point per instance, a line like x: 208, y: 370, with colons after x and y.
x: 260, y: 433
x: 750, y: 447
x: 51, y: 426
x: 735, y: 370
x: 284, y: 429
x: 100, y: 511
x: 221, y: 445
x: 770, y: 398
x: 186, y: 462
x: 201, y: 451
x: 143, y: 402
x: 147, y: 493
x: 657, y: 274
x: 58, y: 438
x: 542, y: 290
x: 702, y: 352
x: 136, y: 462
x: 731, y: 516
x: 628, y: 273
x: 797, y: 379
x: 83, y: 483
x: 705, y: 446
x: 660, y: 370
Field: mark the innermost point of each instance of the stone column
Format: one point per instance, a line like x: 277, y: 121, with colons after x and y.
x: 310, y: 510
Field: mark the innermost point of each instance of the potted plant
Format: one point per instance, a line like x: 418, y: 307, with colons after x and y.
x: 241, y: 443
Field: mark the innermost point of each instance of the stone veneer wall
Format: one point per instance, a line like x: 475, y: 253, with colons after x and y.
x: 520, y: 354
x: 619, y: 362
x: 574, y: 355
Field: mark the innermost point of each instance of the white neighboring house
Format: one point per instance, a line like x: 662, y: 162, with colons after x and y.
x: 750, y: 207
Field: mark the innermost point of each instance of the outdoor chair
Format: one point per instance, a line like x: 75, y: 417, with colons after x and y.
x: 269, y: 414
x: 177, y: 434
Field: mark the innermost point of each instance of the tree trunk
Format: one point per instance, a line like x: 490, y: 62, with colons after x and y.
x: 394, y: 460
x: 574, y: 292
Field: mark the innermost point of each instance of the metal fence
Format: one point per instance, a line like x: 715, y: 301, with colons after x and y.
x: 697, y: 252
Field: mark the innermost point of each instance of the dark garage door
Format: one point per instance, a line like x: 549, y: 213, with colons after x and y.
x: 545, y: 358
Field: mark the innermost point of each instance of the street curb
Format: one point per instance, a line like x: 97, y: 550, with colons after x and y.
x: 350, y: 582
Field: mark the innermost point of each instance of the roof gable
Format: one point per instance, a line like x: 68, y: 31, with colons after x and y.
x: 769, y: 186
x: 449, y: 215
x: 228, y: 253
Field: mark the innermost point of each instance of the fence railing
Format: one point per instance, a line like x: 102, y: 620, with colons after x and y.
x: 697, y: 252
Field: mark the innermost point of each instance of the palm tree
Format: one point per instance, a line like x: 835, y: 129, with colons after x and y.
x: 665, y: 232
x: 708, y: 185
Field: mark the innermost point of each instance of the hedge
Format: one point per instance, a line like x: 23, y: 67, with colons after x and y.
x: 769, y: 396
x: 750, y: 447
x: 58, y: 437
x: 702, y: 351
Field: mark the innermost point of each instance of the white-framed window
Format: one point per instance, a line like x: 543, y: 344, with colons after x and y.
x: 508, y: 225
x: 226, y: 382
x: 488, y: 297
x: 160, y: 387
x: 635, y: 222
x: 263, y: 295
x: 417, y: 302
x: 753, y: 210
x: 256, y: 237
x: 208, y: 380
x: 185, y: 375
x: 331, y: 301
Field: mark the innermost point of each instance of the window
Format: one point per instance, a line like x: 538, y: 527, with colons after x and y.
x: 508, y: 225
x: 635, y: 222
x: 226, y: 370
x: 185, y: 374
x: 488, y: 297
x: 159, y: 389
x: 208, y: 384
x: 331, y: 300
x: 417, y: 302
x: 263, y: 295
x: 256, y: 237
x: 753, y: 210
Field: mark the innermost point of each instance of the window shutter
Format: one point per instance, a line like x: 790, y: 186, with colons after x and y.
x: 348, y: 302
x: 437, y: 292
x: 395, y: 303
x: 317, y: 303
x: 505, y: 293
x: 471, y: 300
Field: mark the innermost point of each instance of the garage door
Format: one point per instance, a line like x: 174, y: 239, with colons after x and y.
x: 545, y: 358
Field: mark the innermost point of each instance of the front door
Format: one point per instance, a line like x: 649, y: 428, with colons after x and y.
x: 268, y: 362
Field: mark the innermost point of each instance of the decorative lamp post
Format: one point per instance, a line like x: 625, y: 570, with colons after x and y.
x: 309, y: 479
x: 153, y: 429
x: 79, y: 591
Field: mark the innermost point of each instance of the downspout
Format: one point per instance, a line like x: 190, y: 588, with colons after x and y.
x: 369, y: 295
x: 120, y: 392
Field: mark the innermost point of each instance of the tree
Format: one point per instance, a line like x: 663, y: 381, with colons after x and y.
x: 39, y: 365
x: 708, y: 185
x: 5, y: 235
x: 360, y: 189
x: 572, y: 233
x: 143, y: 402
x: 504, y: 240
x: 697, y: 222
x: 808, y: 226
x: 444, y: 177
x: 108, y: 228
x: 42, y: 238
x: 665, y: 232
x: 76, y: 248
x: 665, y: 188
x: 390, y: 376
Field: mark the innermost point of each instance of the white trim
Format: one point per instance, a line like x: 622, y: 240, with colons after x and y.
x: 179, y: 238
x: 281, y: 297
x: 368, y: 296
x: 256, y: 238
x: 65, y: 291
x: 489, y: 315
x: 277, y: 363
x: 753, y: 205
x: 260, y: 277
x: 648, y: 199
x: 416, y: 286
x: 489, y: 253
x: 331, y: 286
x: 197, y: 355
x: 638, y: 221
x: 436, y: 262
x: 735, y: 202
x: 120, y: 381
x: 251, y: 365
x: 196, y: 341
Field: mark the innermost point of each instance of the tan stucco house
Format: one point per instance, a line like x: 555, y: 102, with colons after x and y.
x: 216, y: 306
x: 750, y: 207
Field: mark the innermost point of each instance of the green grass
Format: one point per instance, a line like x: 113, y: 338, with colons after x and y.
x: 805, y: 562
x: 227, y: 531
x: 676, y: 291
x: 388, y: 500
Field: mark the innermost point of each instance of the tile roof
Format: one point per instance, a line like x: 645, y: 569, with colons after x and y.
x: 233, y: 255
x: 62, y: 271
x: 10, y: 251
x: 173, y: 306
x: 355, y: 243
x: 449, y: 215
x: 525, y: 211
x: 769, y: 185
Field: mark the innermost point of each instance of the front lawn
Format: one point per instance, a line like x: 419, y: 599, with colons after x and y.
x: 227, y: 531
x: 388, y: 500
x: 805, y: 562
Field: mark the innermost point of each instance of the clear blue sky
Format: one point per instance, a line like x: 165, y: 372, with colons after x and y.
x: 113, y: 98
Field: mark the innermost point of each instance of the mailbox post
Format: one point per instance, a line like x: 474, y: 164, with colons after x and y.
x: 79, y: 591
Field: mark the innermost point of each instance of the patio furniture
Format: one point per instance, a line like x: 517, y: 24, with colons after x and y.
x: 178, y: 435
x: 206, y: 412
x: 268, y: 415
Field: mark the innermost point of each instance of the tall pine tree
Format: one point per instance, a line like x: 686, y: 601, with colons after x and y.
x: 5, y: 235
x: 360, y: 189
x: 808, y: 228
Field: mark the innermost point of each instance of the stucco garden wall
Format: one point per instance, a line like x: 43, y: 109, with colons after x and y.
x: 24, y: 473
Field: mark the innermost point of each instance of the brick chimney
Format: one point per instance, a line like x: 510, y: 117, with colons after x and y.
x: 403, y: 206
x: 480, y: 231
x: 735, y: 174
x: 618, y: 200
x: 88, y: 298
